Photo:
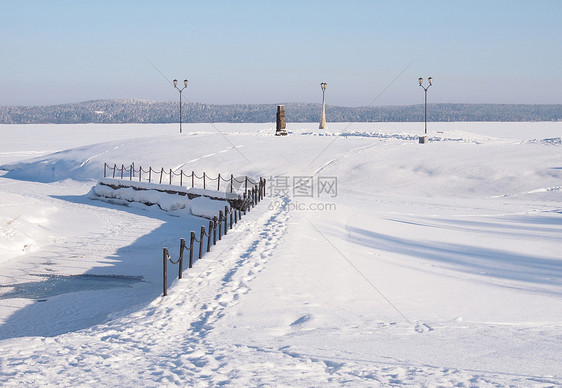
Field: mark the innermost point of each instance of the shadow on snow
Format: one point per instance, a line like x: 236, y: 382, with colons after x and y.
x: 474, y: 259
x: 132, y: 280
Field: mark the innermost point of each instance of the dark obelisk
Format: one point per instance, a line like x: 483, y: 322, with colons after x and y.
x: 281, y: 123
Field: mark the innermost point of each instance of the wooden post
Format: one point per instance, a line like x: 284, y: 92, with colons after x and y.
x: 230, y: 214
x: 170, y: 177
x: 244, y: 207
x: 219, y: 183
x: 214, y: 230
x: 114, y: 169
x: 122, y: 169
x: 191, y: 242
x: 231, y: 182
x: 220, y: 225
x: 225, y: 220
x: 131, y: 173
x: 104, y: 166
x: 140, y: 173
x: 192, y: 179
x: 161, y: 174
x: 180, y: 261
x: 165, y: 271
x: 209, y: 240
x: 204, y: 176
x: 181, y: 177
x: 249, y: 199
x: 246, y: 184
x: 201, y: 242
x: 149, y: 174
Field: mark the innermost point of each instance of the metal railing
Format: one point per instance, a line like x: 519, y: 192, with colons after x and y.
x: 171, y: 177
x: 218, y: 227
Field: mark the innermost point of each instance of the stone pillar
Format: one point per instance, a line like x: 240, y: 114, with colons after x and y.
x: 323, y: 85
x: 281, y: 124
x: 323, y: 117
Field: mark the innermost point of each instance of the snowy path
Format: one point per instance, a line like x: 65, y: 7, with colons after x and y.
x: 179, y: 343
x: 176, y: 326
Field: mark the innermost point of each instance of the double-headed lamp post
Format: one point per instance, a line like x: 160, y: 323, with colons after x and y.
x: 180, y: 90
x: 323, y: 85
x: 430, y: 80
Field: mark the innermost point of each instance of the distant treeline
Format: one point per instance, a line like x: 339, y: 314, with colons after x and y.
x: 139, y: 111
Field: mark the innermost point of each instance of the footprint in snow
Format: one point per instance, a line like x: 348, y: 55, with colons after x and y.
x: 423, y: 327
x: 302, y: 320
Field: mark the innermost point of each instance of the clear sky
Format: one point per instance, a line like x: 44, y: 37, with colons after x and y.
x: 262, y: 51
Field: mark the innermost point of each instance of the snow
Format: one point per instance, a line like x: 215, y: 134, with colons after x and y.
x: 207, y: 207
x: 207, y: 203
x: 374, y: 260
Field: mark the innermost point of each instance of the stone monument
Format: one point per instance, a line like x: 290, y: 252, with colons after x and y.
x: 281, y: 124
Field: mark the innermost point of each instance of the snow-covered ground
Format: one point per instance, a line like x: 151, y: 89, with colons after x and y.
x: 374, y: 260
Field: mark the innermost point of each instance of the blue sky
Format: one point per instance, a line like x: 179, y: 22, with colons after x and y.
x: 265, y: 51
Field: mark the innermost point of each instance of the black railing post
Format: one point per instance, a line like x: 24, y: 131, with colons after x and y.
x: 180, y: 261
x: 209, y: 240
x: 191, y: 242
x: 204, y: 179
x: 201, y: 242
x: 215, y: 230
x: 220, y: 225
x: 219, y: 183
x: 165, y: 271
x: 229, y: 214
x: 250, y: 199
x: 192, y: 179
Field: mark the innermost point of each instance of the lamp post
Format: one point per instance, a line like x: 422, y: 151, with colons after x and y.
x: 423, y: 139
x: 323, y: 85
x: 180, y: 90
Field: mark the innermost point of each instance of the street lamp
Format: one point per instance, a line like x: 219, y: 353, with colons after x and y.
x: 323, y: 85
x: 423, y: 139
x: 180, y: 90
